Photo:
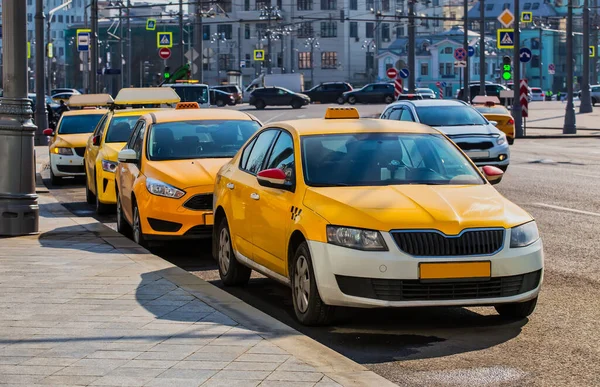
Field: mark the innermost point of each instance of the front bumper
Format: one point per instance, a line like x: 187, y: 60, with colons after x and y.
x: 497, y: 155
x: 64, y: 166
x: 107, y: 193
x: 381, y: 279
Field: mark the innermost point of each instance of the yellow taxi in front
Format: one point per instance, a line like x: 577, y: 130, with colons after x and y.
x: 492, y: 110
x: 372, y: 213
x: 165, y: 177
x: 110, y: 137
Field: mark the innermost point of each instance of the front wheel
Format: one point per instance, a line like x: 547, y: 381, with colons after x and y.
x: 220, y: 103
x: 352, y: 100
x: 138, y: 235
x: 388, y: 99
x: 90, y: 198
x: 55, y: 180
x: 232, y: 272
x: 296, y: 105
x: 308, y: 305
x: 340, y: 100
x: 517, y: 310
x: 122, y: 226
x: 101, y: 208
x: 260, y: 104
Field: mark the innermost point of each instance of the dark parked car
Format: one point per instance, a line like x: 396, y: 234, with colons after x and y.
x: 233, y: 89
x: 329, y: 92
x: 371, y: 93
x: 221, y: 98
x: 277, y: 96
x: 491, y: 90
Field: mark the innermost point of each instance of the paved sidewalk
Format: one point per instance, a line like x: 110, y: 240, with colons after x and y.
x: 551, y: 115
x: 82, y: 305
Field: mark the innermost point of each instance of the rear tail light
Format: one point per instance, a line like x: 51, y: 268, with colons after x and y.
x: 511, y: 122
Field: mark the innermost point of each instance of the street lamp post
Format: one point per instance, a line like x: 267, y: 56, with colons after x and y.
x: 585, y: 105
x: 41, y: 119
x: 19, y: 211
x: 270, y: 13
x: 367, y: 45
x: 312, y: 43
x: 48, y: 31
x: 516, y: 105
x: 482, y: 64
x: 411, y: 46
x: 218, y: 37
x: 569, y: 125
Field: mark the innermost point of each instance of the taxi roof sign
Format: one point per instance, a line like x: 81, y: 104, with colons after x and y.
x: 334, y: 113
x: 485, y: 100
x: 88, y: 100
x: 187, y: 105
x: 146, y: 96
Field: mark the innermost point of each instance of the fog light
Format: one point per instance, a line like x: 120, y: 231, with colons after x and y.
x: 502, y: 157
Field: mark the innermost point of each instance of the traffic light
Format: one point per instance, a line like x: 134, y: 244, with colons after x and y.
x: 507, y: 68
x: 167, y: 73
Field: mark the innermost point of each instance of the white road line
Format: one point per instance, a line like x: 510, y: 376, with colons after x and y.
x: 302, y: 116
x: 583, y: 174
x: 566, y: 209
x: 272, y: 118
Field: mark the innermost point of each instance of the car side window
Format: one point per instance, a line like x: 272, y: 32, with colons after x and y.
x: 100, y: 127
x: 281, y: 92
x: 406, y: 116
x: 139, y: 140
x: 369, y: 88
x: 133, y: 135
x: 282, y: 156
x: 259, y: 151
x: 395, y: 114
x: 246, y: 153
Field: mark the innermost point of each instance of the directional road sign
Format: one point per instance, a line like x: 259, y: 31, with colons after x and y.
x: 506, y: 18
x: 444, y: 84
x: 404, y: 73
x: 83, y: 40
x: 551, y: 69
x: 259, y: 55
x: 526, y: 17
x: 164, y: 39
x: 505, y: 38
x: 460, y: 54
x: 523, y: 91
x: 471, y: 51
x: 164, y: 53
x: 151, y: 24
x: 524, y: 54
x: 398, y: 87
x: 592, y: 51
x: 392, y: 73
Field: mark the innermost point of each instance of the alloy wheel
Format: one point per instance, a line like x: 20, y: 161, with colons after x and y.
x: 224, y: 251
x: 302, y: 284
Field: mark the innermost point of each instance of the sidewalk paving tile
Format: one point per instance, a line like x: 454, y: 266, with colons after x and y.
x: 68, y: 380
x: 296, y: 376
x: 198, y: 375
x: 231, y: 383
x: 242, y: 375
x: 251, y: 366
x: 172, y: 382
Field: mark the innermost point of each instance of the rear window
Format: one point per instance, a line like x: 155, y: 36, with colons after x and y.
x: 120, y: 128
x: 536, y: 90
x: 79, y: 124
x: 492, y: 110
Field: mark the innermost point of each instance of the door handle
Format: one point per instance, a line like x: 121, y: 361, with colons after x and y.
x: 254, y: 196
x: 230, y: 185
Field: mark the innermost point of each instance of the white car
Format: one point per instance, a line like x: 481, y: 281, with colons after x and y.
x: 537, y: 94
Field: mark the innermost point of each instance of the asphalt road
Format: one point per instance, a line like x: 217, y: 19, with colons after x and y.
x: 557, y: 180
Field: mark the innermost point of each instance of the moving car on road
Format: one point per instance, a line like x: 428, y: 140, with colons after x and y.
x: 426, y: 93
x: 473, y: 133
x: 64, y: 90
x: 191, y: 91
x: 537, y: 94
x: 329, y: 92
x: 371, y: 93
x: 233, y: 89
x: 491, y: 90
x: 491, y: 109
x: 67, y: 143
x: 221, y: 98
x: 372, y: 213
x: 277, y: 96
x: 110, y: 136
x: 166, y: 172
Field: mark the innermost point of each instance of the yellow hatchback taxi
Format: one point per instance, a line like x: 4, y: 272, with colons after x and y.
x: 492, y: 110
x: 372, y: 213
x: 110, y: 137
x: 67, y: 144
x: 166, y: 172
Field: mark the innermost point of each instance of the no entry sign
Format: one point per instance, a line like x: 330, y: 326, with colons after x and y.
x: 392, y: 73
x: 164, y: 53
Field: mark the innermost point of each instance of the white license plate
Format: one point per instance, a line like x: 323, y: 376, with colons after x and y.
x: 478, y: 154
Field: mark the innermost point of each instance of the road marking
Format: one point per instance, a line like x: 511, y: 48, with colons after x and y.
x: 566, y: 209
x: 272, y: 118
x: 583, y: 174
x: 302, y: 116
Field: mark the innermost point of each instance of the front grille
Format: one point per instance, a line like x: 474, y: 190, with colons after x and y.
x: 70, y: 168
x: 475, y: 145
x: 163, y: 225
x: 80, y: 151
x: 200, y: 202
x: 416, y: 290
x: 434, y: 244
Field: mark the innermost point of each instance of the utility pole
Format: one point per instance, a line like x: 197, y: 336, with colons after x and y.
x: 41, y: 119
x: 94, y: 47
x: 269, y: 13
x: 239, y: 48
x: 570, y: 126
x: 585, y: 105
x: 198, y: 43
x: 466, y: 89
x: 411, y: 46
x: 121, y: 47
x: 181, y: 40
x: 129, y: 45
x: 312, y: 43
x: 516, y: 105
x: 19, y: 211
x: 482, y: 64
x: 595, y: 44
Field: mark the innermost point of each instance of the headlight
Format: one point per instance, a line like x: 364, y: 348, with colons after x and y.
x: 524, y: 235
x: 356, y: 238
x: 501, y: 139
x: 63, y: 151
x: 109, y: 166
x: 159, y: 188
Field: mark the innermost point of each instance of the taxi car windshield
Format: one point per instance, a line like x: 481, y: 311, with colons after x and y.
x: 492, y: 110
x: 449, y: 116
x: 120, y: 128
x: 198, y: 139
x: 79, y: 124
x: 376, y: 159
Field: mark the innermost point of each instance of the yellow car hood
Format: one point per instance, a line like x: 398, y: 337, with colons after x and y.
x: 449, y: 209
x: 110, y: 151
x: 185, y: 173
x: 71, y: 140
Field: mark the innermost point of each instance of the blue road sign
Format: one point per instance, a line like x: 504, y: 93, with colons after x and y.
x: 524, y: 54
x: 460, y: 54
x: 471, y: 51
x: 83, y: 41
x: 444, y: 84
x: 404, y: 73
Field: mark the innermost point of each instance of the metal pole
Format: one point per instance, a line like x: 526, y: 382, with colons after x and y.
x: 570, y: 126
x: 585, y: 105
x: 48, y: 59
x: 41, y: 119
x: 466, y: 90
x: 541, y: 61
x: 121, y: 48
x: 312, y: 63
x: 595, y: 44
x: 411, y: 46
x: 129, y: 45
x: 198, y: 43
x: 94, y: 47
x: 86, y: 56
x: 282, y: 55
x: 19, y: 211
x: 516, y: 105
x: 269, y: 64
x: 482, y: 64
x: 239, y: 47
x: 218, y: 58
x: 181, y: 40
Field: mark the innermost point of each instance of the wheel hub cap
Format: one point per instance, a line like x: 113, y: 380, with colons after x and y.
x: 224, y: 251
x: 302, y: 284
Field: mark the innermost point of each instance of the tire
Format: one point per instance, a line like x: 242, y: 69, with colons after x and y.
x: 510, y: 141
x: 90, y: 198
x: 55, y: 180
x: 260, y: 104
x: 138, y: 234
x: 296, y: 104
x: 101, y: 208
x: 340, y: 100
x: 504, y: 168
x: 594, y: 101
x: 388, y: 99
x: 517, y: 310
x: 220, y: 103
x: 122, y: 226
x: 232, y: 272
x: 352, y: 100
x: 309, y: 308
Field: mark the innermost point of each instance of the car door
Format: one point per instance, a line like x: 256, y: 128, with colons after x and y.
x: 317, y: 94
x: 92, y: 150
x: 284, y: 98
x: 130, y: 171
x: 270, y: 211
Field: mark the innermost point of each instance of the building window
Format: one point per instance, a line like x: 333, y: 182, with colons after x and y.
x: 353, y: 5
x: 328, y: 5
x: 246, y: 31
x: 385, y: 5
x: 305, y: 30
x: 399, y: 32
x: 60, y: 18
x: 206, y: 32
x: 489, y: 6
x: 370, y: 5
x: 329, y: 29
x: 436, y: 3
x: 261, y: 29
x: 224, y: 61
x: 354, y: 29
x: 225, y: 31
x: 535, y: 61
x: 448, y: 50
x: 29, y: 35
x: 506, y: 6
x: 29, y: 17
x: 442, y: 69
x: 62, y: 34
x: 385, y: 32
x: 29, y: 2
x: 535, y: 6
x: 225, y: 5
x: 370, y: 30
x: 436, y: 23
x: 329, y: 60
x: 527, y: 6
x: 453, y: 15
x: 304, y: 60
x: 260, y: 4
x: 424, y: 69
x: 61, y: 51
x: 246, y: 5
x: 370, y: 60
x: 476, y: 68
x: 79, y: 19
x: 305, y: 5
x: 53, y: 34
x: 449, y: 67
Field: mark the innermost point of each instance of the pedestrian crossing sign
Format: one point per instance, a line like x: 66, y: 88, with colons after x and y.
x: 151, y: 24
x: 592, y: 51
x: 164, y: 39
x: 526, y: 17
x: 505, y: 38
x: 259, y: 55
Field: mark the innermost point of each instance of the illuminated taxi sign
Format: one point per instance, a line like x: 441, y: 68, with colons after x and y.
x: 485, y: 100
x: 147, y: 96
x: 90, y: 100
x: 186, y: 81
x: 334, y: 113
x: 187, y: 105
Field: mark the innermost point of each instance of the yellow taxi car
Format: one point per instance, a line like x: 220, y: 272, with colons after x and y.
x: 372, y: 213
x: 67, y: 144
x: 491, y: 109
x: 110, y: 137
x: 166, y: 172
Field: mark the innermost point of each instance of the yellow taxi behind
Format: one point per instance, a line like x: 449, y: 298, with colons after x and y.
x: 372, y: 213
x: 111, y: 135
x: 68, y: 142
x: 491, y: 109
x: 166, y: 172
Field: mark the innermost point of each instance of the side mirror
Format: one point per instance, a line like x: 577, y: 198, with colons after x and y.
x: 492, y: 174
x: 495, y: 123
x: 127, y: 156
x: 48, y: 132
x: 96, y: 140
x: 273, y: 178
